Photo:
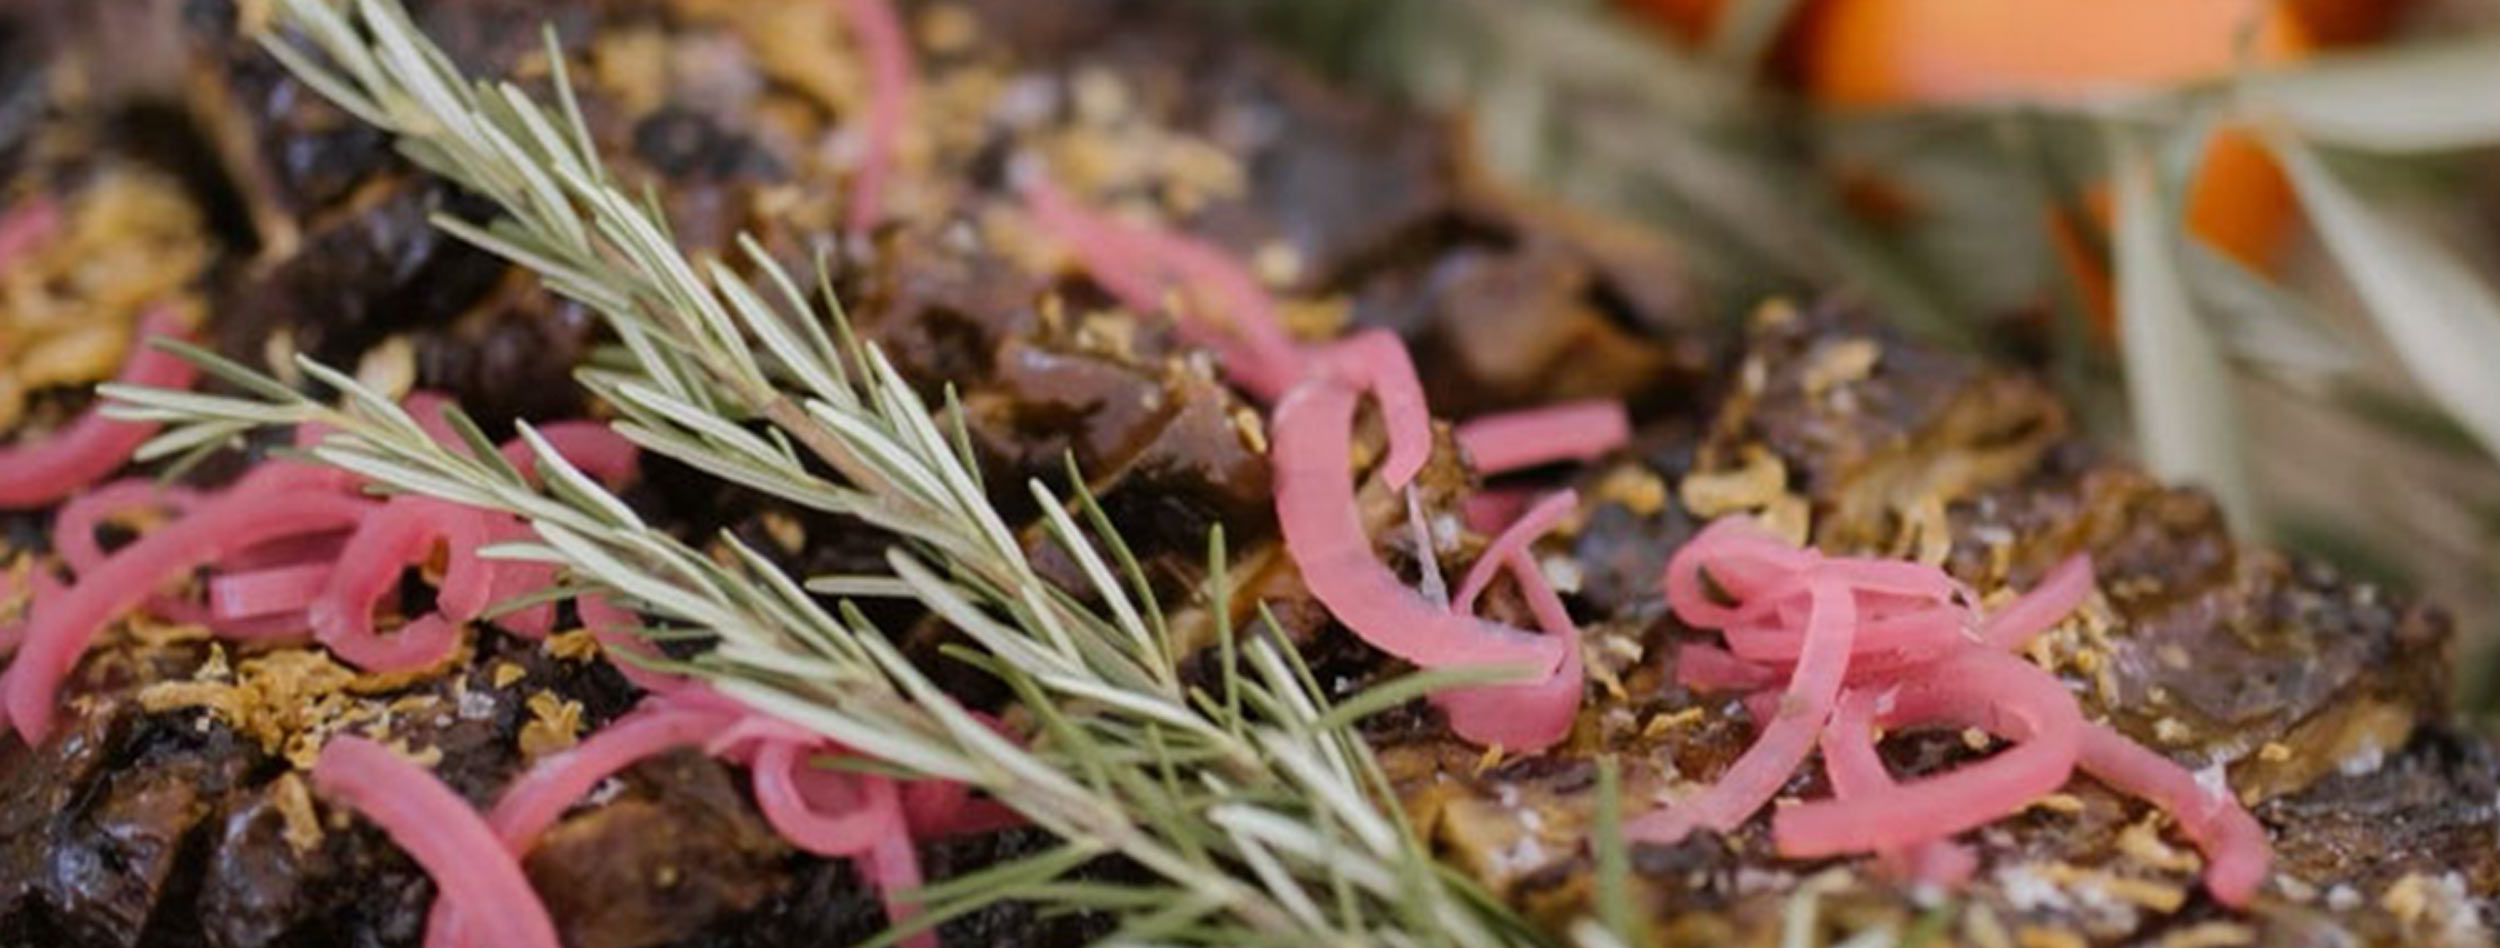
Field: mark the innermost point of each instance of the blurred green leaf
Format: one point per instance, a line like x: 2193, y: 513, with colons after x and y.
x: 2260, y: 322
x: 2442, y: 321
x: 2424, y: 97
x: 1745, y: 31
x: 2178, y: 386
x: 2403, y: 414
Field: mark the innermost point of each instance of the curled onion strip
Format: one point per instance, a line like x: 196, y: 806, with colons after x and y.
x: 1849, y: 759
x: 533, y: 803
x: 1323, y: 532
x: 2058, y: 594
x: 26, y: 226
x: 1232, y: 316
x: 2233, y: 842
x: 74, y: 526
x: 1572, y: 431
x: 93, y: 446
x: 510, y: 579
x: 402, y: 532
x: 1785, y: 740
x: 447, y: 839
x: 266, y: 592
x: 615, y: 630
x: 1514, y: 540
x: 593, y: 447
x: 1531, y: 715
x: 888, y: 54
x: 1998, y: 693
x: 41, y: 587
x: 780, y: 766
x: 1492, y: 508
x: 60, y: 633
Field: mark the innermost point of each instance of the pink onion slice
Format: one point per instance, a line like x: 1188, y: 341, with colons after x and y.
x: 266, y: 592
x: 780, y: 767
x: 1738, y: 557
x: 614, y: 628
x: 1526, y: 716
x: 593, y: 447
x: 402, y: 532
x: 284, y: 628
x: 539, y: 797
x: 292, y: 551
x: 535, y: 801
x: 1783, y: 744
x: 510, y: 579
x: 1323, y: 532
x: 1849, y: 759
x: 1513, y: 540
x: 426, y: 406
x: 1571, y: 431
x: 1709, y: 668
x: 1490, y: 509
x: 217, y: 528
x: 41, y: 588
x: 2058, y: 594
x: 893, y: 866
x: 93, y: 446
x: 26, y: 226
x: 888, y: 54
x: 1992, y: 691
x: 73, y: 527
x: 1926, y: 631
x: 1375, y: 361
x: 1234, y: 318
x: 2234, y: 844
x: 446, y: 838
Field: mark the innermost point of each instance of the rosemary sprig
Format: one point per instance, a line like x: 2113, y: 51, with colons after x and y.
x: 1258, y: 814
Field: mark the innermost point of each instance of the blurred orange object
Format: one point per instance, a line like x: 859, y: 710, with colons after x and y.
x: 1928, y: 52
x: 1881, y: 53
x: 2337, y: 22
x: 1689, y: 20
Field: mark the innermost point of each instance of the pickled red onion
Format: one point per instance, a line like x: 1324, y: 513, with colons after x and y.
x: 41, y: 587
x: 1490, y: 509
x: 1850, y: 762
x: 533, y: 803
x: 2234, y: 844
x: 514, y: 578
x: 60, y: 633
x: 1570, y: 431
x: 1233, y: 318
x: 1513, y: 539
x: 26, y: 226
x: 614, y: 629
x: 266, y: 592
x: 1323, y: 533
x: 1525, y: 716
x: 870, y: 812
x: 593, y: 447
x: 402, y: 532
x: 1711, y: 668
x: 435, y: 827
x: 73, y: 527
x: 1973, y: 682
x: 2057, y: 594
x: 1785, y: 740
x: 888, y: 54
x: 1995, y: 692
x: 1375, y: 361
x: 38, y: 473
